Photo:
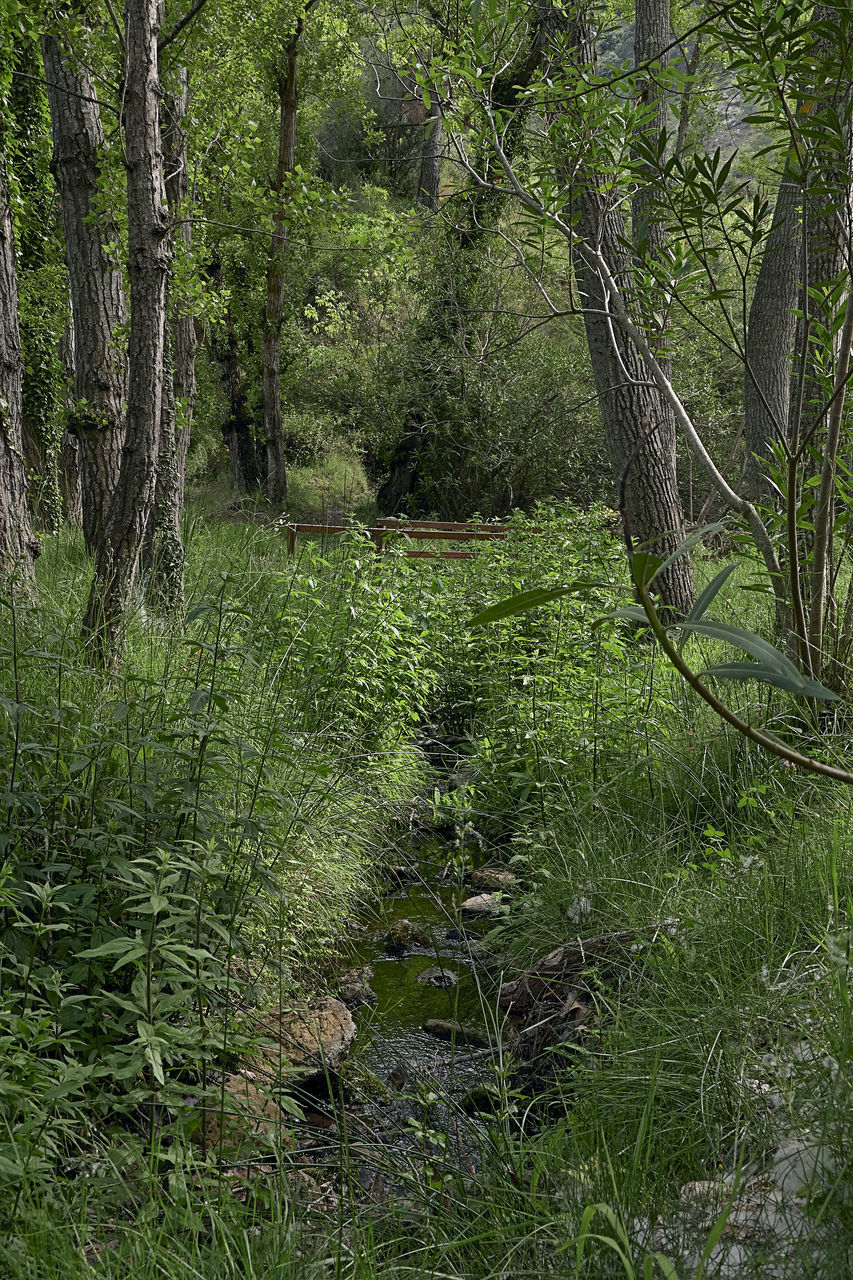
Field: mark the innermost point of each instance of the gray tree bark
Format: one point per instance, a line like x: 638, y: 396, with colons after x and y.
x: 69, y: 455
x: 18, y: 545
x: 97, y: 298
x: 639, y: 426
x: 285, y: 76
x: 770, y: 337
x: 117, y: 557
x: 163, y: 556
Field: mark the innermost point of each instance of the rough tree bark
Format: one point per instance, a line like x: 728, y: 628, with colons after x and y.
x: 429, y: 179
x: 118, y: 553
x: 18, y: 545
x: 69, y: 455
x: 770, y: 337
x: 639, y: 427
x: 163, y: 555
x: 97, y: 298
x: 285, y: 77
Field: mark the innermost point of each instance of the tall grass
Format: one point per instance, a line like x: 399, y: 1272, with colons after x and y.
x: 191, y: 839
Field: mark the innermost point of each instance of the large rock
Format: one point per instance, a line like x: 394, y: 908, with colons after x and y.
x: 243, y: 1116
x: 307, y: 1040
x: 354, y: 987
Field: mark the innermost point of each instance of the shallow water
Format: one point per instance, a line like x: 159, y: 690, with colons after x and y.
x: 390, y: 1032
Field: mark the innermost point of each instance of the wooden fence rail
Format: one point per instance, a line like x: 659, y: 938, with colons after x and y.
x: 416, y: 530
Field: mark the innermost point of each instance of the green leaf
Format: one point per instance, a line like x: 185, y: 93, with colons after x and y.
x: 757, y: 648
x: 633, y: 612
x: 527, y: 600
x: 705, y: 598
x: 645, y: 567
x: 801, y: 685
x: 687, y: 545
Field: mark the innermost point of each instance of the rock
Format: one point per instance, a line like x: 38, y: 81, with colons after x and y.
x: 245, y: 1115
x: 482, y: 904
x: 308, y: 1040
x: 437, y: 977
x: 403, y: 936
x: 493, y: 880
x: 399, y: 1076
x: 445, y: 1030
x: 354, y: 988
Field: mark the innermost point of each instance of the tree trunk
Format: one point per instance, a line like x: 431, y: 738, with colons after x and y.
x: 274, y: 313
x: 117, y: 557
x: 770, y: 337
x: 639, y: 427
x: 684, y: 107
x: 163, y: 557
x: 69, y: 451
x: 18, y: 546
x: 429, y: 180
x: 97, y: 299
x: 237, y: 429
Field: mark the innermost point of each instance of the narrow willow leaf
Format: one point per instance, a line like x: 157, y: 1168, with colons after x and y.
x: 527, y: 600
x: 757, y: 648
x: 801, y: 685
x: 687, y: 545
x: 707, y: 596
x: 632, y: 612
x: 645, y: 567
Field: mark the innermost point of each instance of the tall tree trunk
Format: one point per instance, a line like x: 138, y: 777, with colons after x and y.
x: 429, y: 179
x: 163, y: 556
x: 237, y: 428
x: 274, y: 313
x: 18, y: 546
x: 69, y: 452
x: 770, y: 334
x: 638, y: 425
x: 97, y: 298
x: 691, y: 66
x: 118, y: 553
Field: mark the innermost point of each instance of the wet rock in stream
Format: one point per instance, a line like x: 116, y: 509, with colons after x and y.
x: 438, y: 977
x: 403, y: 935
x: 444, y: 1029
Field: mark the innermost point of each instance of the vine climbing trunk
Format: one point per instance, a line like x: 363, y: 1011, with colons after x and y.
x: 117, y: 556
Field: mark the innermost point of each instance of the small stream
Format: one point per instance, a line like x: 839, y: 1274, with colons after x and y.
x: 394, y: 1042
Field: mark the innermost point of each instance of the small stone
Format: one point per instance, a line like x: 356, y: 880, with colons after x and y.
x: 354, y: 988
x: 482, y: 904
x: 493, y: 880
x: 437, y: 977
x: 443, y: 1029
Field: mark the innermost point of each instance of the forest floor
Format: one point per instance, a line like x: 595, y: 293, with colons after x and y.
x: 248, y: 819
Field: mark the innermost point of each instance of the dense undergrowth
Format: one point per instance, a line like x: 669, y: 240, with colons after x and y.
x: 189, y: 840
